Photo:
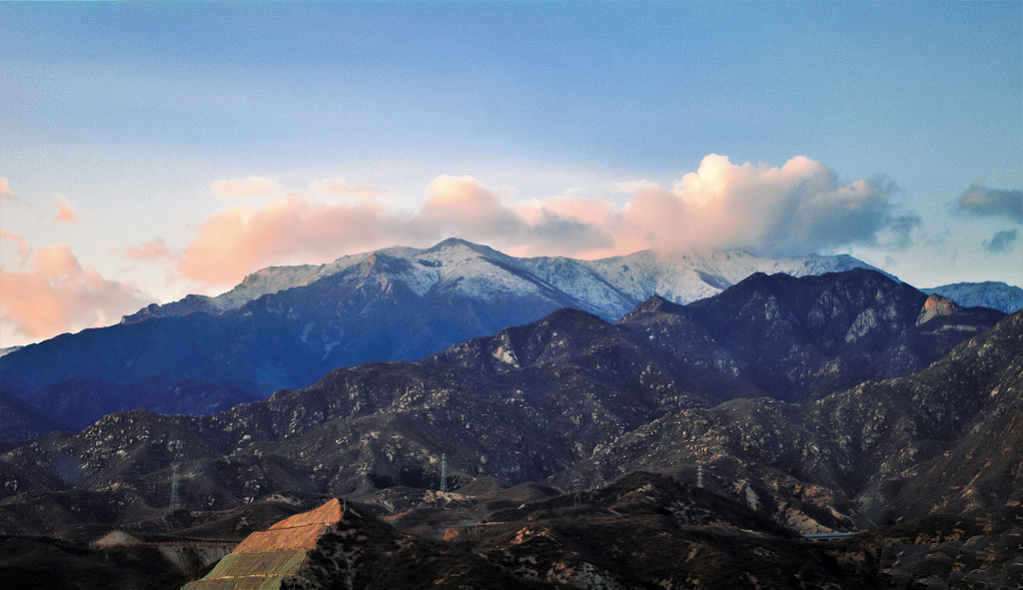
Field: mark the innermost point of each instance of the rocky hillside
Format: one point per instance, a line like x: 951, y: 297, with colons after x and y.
x: 574, y: 401
x: 873, y: 453
x: 287, y: 327
x: 642, y: 531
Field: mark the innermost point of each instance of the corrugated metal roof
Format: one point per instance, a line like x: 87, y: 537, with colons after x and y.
x: 265, y: 558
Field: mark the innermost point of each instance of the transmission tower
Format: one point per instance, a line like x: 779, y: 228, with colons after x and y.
x: 443, y: 473
x: 699, y: 476
x: 175, y: 498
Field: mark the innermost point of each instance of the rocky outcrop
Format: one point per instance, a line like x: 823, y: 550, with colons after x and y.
x: 577, y: 402
x: 936, y: 306
x: 286, y: 327
x: 275, y: 558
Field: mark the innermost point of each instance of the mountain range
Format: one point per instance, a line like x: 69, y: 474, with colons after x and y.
x: 814, y: 400
x: 991, y: 294
x: 723, y: 427
x: 286, y: 327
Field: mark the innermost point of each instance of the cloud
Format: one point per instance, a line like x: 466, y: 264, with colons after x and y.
x: 798, y: 208
x: 51, y: 293
x: 630, y: 186
x: 255, y: 186
x: 239, y: 240
x: 6, y: 194
x: 989, y: 202
x: 240, y: 188
x: 64, y: 212
x: 1001, y: 241
x: 340, y: 187
x: 155, y: 249
x: 23, y: 249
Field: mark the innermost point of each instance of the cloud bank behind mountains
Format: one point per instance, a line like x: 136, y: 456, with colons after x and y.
x: 798, y: 208
x: 46, y: 291
x: 51, y: 292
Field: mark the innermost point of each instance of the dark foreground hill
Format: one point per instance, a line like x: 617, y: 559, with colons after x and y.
x: 641, y: 531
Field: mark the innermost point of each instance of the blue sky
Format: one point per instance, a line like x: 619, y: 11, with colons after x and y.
x: 148, y: 150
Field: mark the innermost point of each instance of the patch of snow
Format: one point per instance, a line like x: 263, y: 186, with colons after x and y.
x: 609, y: 287
x: 994, y: 295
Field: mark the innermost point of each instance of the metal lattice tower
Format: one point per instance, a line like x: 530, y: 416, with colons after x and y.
x: 175, y: 497
x: 699, y: 476
x: 443, y: 473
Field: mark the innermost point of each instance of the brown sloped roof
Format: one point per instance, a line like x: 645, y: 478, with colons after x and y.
x: 265, y: 558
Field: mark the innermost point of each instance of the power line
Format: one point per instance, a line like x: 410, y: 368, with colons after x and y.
x: 443, y: 473
x: 175, y: 497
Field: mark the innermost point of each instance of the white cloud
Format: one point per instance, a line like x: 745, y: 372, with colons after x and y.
x: 800, y: 207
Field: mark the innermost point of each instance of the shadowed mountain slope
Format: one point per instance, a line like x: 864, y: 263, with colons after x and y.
x: 578, y: 402
x: 287, y: 327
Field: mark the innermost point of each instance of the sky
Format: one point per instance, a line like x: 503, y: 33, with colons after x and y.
x: 150, y: 150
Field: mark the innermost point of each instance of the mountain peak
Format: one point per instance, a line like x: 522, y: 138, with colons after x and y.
x: 936, y: 306
x: 459, y: 243
x: 654, y: 304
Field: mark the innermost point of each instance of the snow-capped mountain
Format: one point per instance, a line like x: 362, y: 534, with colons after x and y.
x: 609, y: 287
x: 991, y: 294
x: 286, y: 327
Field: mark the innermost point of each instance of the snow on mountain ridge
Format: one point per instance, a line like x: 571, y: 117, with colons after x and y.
x: 991, y: 294
x: 609, y: 287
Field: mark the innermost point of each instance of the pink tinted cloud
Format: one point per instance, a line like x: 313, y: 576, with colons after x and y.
x: 155, y: 249
x: 239, y: 240
x: 5, y: 189
x: 23, y: 249
x: 340, y: 187
x: 464, y: 205
x: 7, y: 196
x: 64, y: 212
x: 52, y: 293
x: 255, y: 186
x: 240, y: 188
x: 797, y: 208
